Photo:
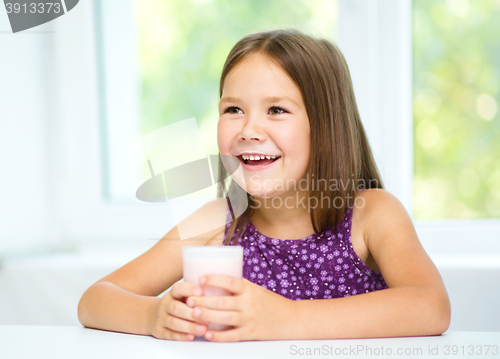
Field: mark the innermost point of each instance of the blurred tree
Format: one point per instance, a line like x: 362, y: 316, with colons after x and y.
x: 456, y: 64
x: 184, y: 44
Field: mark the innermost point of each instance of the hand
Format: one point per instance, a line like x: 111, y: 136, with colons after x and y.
x: 173, y: 319
x: 255, y: 312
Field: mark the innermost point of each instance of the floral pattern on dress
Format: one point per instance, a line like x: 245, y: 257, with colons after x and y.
x: 320, y: 266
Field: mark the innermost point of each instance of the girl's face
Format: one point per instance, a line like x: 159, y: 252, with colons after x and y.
x: 262, y: 113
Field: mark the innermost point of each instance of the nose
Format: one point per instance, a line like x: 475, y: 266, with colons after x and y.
x: 252, y: 131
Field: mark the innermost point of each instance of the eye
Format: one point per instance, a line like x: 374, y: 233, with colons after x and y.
x: 230, y: 109
x: 279, y: 109
x: 272, y: 110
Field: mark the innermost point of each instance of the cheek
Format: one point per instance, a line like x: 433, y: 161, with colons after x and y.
x: 299, y: 143
x: 300, y: 151
x: 224, y: 137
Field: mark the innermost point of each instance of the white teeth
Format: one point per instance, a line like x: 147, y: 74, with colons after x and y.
x: 261, y: 157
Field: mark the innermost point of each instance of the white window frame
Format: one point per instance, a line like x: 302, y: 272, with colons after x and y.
x: 85, y: 218
x: 375, y: 37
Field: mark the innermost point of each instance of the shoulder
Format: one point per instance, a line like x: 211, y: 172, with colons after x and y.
x: 394, y: 245
x: 371, y: 194
x: 206, y: 222
x: 379, y: 211
x: 216, y: 211
x: 376, y: 199
x: 219, y: 205
x: 391, y: 238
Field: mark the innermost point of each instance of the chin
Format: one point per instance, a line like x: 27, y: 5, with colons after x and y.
x: 258, y: 194
x: 264, y: 196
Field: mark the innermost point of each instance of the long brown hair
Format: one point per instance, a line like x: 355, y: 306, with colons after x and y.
x: 340, y: 151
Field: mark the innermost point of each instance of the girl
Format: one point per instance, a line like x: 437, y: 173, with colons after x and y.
x: 289, y: 116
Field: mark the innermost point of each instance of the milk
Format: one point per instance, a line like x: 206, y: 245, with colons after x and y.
x: 201, y: 260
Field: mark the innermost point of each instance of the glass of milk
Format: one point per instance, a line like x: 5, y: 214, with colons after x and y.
x: 201, y: 260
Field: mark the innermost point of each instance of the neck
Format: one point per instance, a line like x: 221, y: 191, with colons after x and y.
x: 281, y: 211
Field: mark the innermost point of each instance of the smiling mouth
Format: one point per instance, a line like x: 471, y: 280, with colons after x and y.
x: 257, y: 163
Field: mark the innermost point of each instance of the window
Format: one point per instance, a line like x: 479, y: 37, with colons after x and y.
x: 456, y: 87
x: 176, y: 63
x: 376, y: 39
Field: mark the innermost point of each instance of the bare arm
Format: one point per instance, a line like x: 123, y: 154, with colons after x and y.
x: 416, y: 302
x: 107, y: 306
x: 127, y: 299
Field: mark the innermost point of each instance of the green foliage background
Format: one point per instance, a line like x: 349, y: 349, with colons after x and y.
x: 184, y: 44
x: 456, y: 73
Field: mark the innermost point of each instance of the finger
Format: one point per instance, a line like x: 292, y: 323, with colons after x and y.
x: 227, y: 317
x: 229, y: 283
x: 231, y: 335
x: 179, y: 309
x: 184, y: 289
x: 221, y: 302
x: 183, y: 326
x: 173, y: 335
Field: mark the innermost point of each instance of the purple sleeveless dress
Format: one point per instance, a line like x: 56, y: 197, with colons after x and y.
x: 316, y: 267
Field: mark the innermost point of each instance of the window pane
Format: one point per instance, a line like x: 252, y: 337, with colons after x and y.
x: 456, y: 63
x: 183, y: 46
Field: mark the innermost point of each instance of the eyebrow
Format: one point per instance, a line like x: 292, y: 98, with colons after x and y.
x: 271, y: 99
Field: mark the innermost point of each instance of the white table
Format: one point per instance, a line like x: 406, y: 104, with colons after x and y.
x: 19, y: 341
x: 59, y: 280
